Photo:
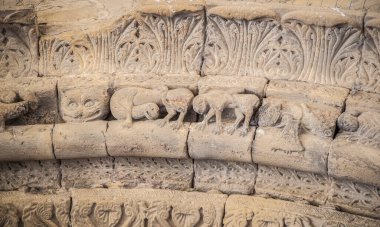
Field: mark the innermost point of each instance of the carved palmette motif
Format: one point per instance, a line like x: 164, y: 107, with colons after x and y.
x: 46, y: 214
x: 8, y: 216
x: 291, y: 50
x: 139, y: 43
x: 18, y: 51
x: 141, y: 213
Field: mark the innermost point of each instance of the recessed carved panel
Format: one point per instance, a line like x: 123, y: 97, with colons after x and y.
x: 155, y: 39
x: 142, y: 207
x: 153, y: 173
x: 256, y: 211
x: 227, y: 177
x: 18, y: 51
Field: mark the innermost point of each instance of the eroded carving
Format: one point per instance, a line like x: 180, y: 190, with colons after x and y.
x: 15, y: 104
x: 136, y: 102
x: 213, y: 102
x: 8, y: 215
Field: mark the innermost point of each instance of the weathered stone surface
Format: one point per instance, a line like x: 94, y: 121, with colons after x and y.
x: 29, y: 175
x: 355, y: 198
x: 41, y: 95
x: 153, y: 173
x: 227, y: 177
x: 354, y: 154
x: 23, y: 209
x: 369, y: 72
x: 146, y: 139
x: 143, y: 41
x: 256, y: 211
x: 273, y: 41
x: 87, y: 173
x: 139, y: 207
x: 76, y: 140
x: 84, y: 99
x: 296, y: 128
x: 205, y: 144
x: 18, y: 50
x: 32, y: 142
x: 292, y: 185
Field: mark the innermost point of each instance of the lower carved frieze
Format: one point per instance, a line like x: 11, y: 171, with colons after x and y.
x: 227, y: 177
x: 256, y: 211
x: 30, y: 210
x: 146, y: 207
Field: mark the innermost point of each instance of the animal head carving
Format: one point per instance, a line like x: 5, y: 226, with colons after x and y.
x: 200, y: 104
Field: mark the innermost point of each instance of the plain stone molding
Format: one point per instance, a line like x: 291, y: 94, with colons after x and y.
x: 296, y: 127
x: 155, y: 207
x: 354, y: 154
x: 258, y: 211
x: 204, y: 144
x: 80, y: 140
x: 146, y: 139
x: 30, y: 142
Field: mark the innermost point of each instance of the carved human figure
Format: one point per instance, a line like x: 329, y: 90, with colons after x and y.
x: 14, y: 104
x: 138, y: 102
x: 84, y: 104
x: 215, y: 101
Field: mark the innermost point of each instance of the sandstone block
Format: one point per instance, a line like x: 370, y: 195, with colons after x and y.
x: 256, y: 211
x: 146, y: 139
x: 161, y: 173
x: 31, y: 142
x: 296, y: 127
x: 151, y: 207
x: 205, y: 144
x: 30, y: 175
x: 87, y: 173
x: 227, y: 177
x: 80, y: 140
x: 24, y: 209
x: 354, y: 154
x: 356, y: 198
x: 43, y: 90
x: 83, y: 99
x: 292, y: 185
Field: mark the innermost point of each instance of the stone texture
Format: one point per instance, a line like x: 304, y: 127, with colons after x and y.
x: 139, y: 207
x: 18, y: 46
x: 227, y: 177
x: 292, y: 185
x: 354, y: 154
x: 29, y: 175
x: 296, y: 128
x: 143, y: 41
x: 146, y: 139
x: 176, y: 174
x: 84, y: 99
x: 41, y: 93
x: 273, y: 41
x: 31, y: 142
x: 355, y: 198
x: 205, y: 144
x: 256, y: 211
x: 75, y: 140
x: 23, y: 209
x: 87, y: 173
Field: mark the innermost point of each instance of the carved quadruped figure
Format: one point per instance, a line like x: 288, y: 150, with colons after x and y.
x: 286, y: 117
x: 137, y: 103
x: 215, y: 101
x: 14, y: 104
